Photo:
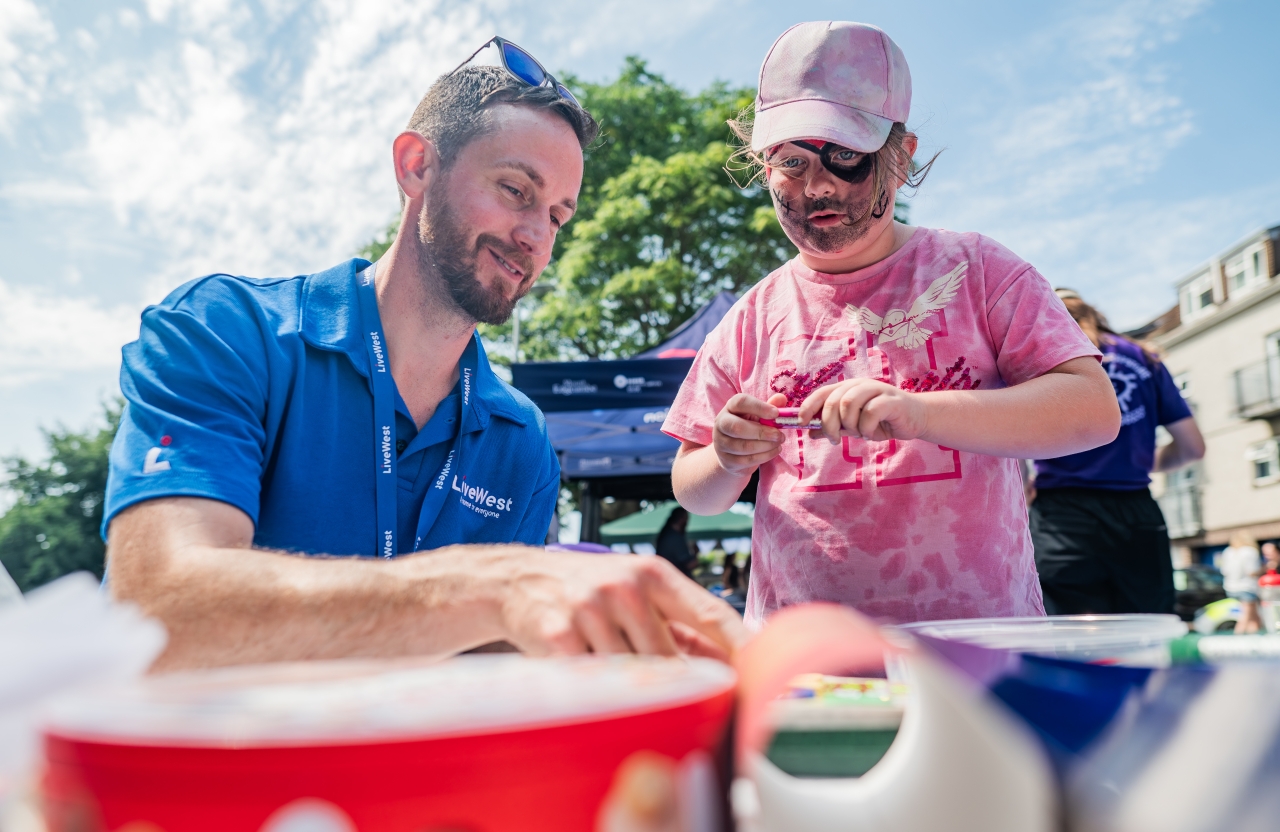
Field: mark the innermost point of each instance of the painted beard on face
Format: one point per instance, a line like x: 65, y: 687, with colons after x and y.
x: 857, y: 219
x: 443, y: 249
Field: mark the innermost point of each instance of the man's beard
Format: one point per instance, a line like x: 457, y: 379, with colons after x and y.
x: 857, y: 220
x: 443, y: 251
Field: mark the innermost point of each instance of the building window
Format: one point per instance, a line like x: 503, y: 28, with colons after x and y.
x: 1196, y: 296
x: 1237, y: 275
x: 1255, y: 261
x: 1246, y: 272
x: 1180, y: 502
x: 1265, y: 461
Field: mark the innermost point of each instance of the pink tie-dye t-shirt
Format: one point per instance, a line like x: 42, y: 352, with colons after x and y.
x: 901, y: 530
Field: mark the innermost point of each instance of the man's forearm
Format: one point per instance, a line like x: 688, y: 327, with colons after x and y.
x: 1054, y: 415
x: 701, y: 484
x: 187, y: 561
x: 235, y: 605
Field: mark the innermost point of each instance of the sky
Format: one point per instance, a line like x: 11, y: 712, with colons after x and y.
x: 143, y: 143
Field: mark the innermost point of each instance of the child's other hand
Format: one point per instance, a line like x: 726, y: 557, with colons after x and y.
x: 743, y: 444
x: 865, y: 408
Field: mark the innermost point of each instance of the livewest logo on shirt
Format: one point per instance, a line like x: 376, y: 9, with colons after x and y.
x: 480, y: 500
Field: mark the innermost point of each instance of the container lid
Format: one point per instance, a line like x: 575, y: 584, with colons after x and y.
x: 1059, y: 633
x: 1269, y: 578
x: 340, y: 702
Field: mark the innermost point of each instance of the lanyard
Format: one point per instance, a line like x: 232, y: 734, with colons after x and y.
x: 384, y: 426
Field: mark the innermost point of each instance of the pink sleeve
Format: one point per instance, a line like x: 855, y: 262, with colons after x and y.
x: 712, y: 381
x: 1031, y: 329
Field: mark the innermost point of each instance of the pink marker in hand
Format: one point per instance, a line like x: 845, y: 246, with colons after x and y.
x: 789, y: 419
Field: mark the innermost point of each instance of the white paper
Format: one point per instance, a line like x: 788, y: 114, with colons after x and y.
x: 67, y: 635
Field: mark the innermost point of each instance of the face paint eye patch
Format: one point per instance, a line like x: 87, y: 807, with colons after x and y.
x: 854, y: 170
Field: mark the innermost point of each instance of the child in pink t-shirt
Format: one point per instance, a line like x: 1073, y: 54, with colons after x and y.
x: 933, y: 359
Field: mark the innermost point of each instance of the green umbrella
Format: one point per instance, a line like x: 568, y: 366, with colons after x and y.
x: 643, y: 526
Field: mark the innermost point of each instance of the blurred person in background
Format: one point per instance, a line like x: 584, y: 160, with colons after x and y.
x: 673, y: 543
x: 1271, y: 557
x: 1101, y: 544
x: 1241, y: 564
x: 735, y: 582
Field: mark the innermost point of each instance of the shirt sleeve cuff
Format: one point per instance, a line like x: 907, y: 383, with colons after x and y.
x: 207, y: 488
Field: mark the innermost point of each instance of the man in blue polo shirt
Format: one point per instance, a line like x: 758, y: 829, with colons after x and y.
x: 352, y: 416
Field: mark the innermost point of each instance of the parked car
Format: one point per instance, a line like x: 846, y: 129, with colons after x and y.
x: 1218, y: 618
x: 1197, y: 586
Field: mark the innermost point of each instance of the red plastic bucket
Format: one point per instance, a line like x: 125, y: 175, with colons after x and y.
x: 478, y: 743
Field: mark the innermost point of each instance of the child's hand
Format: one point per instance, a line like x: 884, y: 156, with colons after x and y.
x: 866, y: 409
x: 743, y: 444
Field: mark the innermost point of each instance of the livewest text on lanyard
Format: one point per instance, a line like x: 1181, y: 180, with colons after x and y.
x: 384, y: 426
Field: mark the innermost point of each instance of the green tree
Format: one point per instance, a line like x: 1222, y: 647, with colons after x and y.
x: 53, y: 527
x: 665, y: 236
x: 661, y: 228
x: 375, y: 248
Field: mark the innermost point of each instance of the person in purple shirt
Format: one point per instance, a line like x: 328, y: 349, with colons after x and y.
x: 1101, y: 544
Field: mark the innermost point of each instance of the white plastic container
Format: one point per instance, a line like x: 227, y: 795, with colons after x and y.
x: 1132, y: 640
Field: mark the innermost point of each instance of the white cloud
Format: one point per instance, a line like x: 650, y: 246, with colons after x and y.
x: 1060, y: 168
x: 247, y: 138
x: 162, y: 140
x: 235, y: 180
x: 42, y: 335
x: 25, y: 36
x: 1105, y: 133
x: 46, y: 191
x: 281, y: 181
x: 251, y: 139
x: 1107, y: 121
x: 1125, y: 256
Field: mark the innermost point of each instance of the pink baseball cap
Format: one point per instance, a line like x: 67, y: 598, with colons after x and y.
x: 836, y: 81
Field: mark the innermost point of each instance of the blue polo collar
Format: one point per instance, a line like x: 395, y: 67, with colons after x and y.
x: 330, y: 320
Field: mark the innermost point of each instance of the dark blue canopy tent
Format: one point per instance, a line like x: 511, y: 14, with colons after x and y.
x: 688, y: 337
x: 605, y: 418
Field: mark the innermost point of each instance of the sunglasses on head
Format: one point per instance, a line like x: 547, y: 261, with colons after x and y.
x: 523, y: 66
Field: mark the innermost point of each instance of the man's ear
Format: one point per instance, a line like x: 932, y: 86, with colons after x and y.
x: 417, y: 163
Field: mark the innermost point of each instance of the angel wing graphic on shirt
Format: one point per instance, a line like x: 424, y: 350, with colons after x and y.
x: 904, y: 327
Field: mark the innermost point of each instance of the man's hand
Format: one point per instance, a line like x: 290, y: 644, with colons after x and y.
x: 741, y: 443
x: 559, y: 603
x: 866, y: 409
x: 190, y: 563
